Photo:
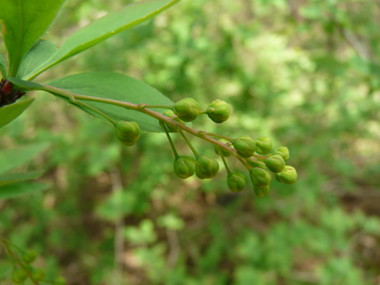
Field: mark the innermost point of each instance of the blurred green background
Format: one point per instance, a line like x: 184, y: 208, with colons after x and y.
x: 304, y: 73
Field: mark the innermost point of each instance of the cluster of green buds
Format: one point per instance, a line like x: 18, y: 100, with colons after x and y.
x: 22, y: 266
x: 256, y: 155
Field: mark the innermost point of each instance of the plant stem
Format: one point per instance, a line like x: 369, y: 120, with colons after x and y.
x: 225, y: 163
x: 176, y: 155
x: 188, y: 143
x: 160, y: 117
x: 112, y: 121
x: 157, y: 106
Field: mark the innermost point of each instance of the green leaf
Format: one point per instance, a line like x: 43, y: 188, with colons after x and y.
x: 21, y: 188
x: 26, y: 85
x: 38, y: 55
x: 118, y: 87
x: 11, y: 112
x: 3, y: 67
x: 106, y: 27
x: 23, y: 23
x: 11, y: 158
x: 10, y: 178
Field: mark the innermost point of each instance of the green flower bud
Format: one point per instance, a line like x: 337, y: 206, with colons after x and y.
x: 245, y: 146
x: 184, y: 166
x: 275, y: 163
x: 218, y: 149
x: 218, y: 111
x: 260, y: 177
x: 59, y: 281
x: 29, y: 256
x: 261, y: 191
x: 283, y: 151
x: 263, y: 145
x: 236, y: 181
x: 187, y: 109
x: 170, y: 114
x: 254, y: 163
x: 19, y: 275
x: 39, y: 274
x: 127, y: 132
x: 206, y: 167
x: 288, y: 175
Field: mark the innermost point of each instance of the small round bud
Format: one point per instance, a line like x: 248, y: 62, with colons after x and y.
x: 245, y: 146
x: 127, y: 132
x: 39, y: 274
x: 184, y: 166
x: 263, y: 145
x: 275, y: 163
x: 29, y: 256
x: 218, y: 149
x: 187, y: 109
x: 59, y: 281
x: 254, y: 163
x: 260, y: 177
x: 219, y: 111
x: 170, y: 114
x: 19, y: 275
x: 283, y: 151
x: 288, y: 175
x: 236, y: 181
x: 261, y: 191
x: 206, y: 167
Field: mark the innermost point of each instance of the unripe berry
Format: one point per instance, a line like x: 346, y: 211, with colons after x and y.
x: 254, y: 163
x: 261, y: 191
x: 260, y: 177
x: 39, y: 274
x: 206, y: 167
x: 283, y: 151
x: 19, y: 275
x: 275, y: 163
x: 218, y: 111
x: 263, y: 145
x: 187, y: 109
x: 127, y: 132
x: 184, y: 166
x: 236, y: 181
x: 170, y: 114
x: 288, y: 175
x: 29, y: 256
x: 245, y: 146
x: 218, y: 149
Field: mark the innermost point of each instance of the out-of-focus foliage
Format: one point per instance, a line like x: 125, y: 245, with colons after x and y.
x: 305, y: 73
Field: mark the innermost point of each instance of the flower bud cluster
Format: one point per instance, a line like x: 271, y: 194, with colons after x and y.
x: 255, y: 154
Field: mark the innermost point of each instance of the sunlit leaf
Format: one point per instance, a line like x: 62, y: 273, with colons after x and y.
x: 106, y: 27
x: 11, y: 158
x: 11, y: 112
x: 38, y: 55
x: 21, y: 188
x: 23, y: 23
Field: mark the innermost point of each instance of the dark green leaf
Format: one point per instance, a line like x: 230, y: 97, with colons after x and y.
x: 10, y: 178
x: 11, y: 112
x: 118, y: 87
x: 11, y: 158
x: 106, y: 27
x: 38, y: 55
x: 3, y: 66
x: 23, y: 23
x: 20, y: 188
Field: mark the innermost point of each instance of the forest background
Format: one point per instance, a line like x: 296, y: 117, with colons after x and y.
x: 304, y: 73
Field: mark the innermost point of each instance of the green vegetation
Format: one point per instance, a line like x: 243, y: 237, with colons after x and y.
x: 305, y: 74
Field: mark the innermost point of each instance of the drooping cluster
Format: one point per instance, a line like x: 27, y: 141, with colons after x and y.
x: 255, y: 155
